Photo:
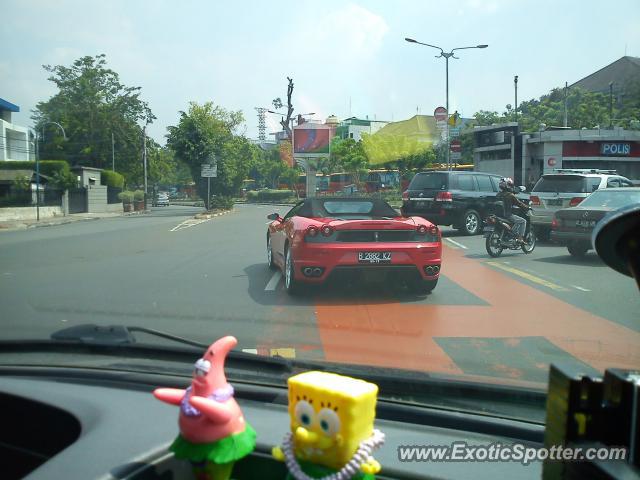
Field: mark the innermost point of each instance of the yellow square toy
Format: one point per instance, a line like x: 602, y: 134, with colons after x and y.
x: 331, y: 419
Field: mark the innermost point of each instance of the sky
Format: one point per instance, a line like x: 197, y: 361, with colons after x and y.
x: 346, y: 58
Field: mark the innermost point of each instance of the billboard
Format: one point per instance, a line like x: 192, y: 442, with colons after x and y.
x: 312, y: 140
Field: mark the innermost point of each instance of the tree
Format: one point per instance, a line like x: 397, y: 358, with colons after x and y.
x: 584, y: 110
x: 91, y: 104
x: 277, y: 103
x: 349, y: 156
x: 207, y: 132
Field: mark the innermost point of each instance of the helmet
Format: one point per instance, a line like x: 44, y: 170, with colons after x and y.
x: 506, y: 183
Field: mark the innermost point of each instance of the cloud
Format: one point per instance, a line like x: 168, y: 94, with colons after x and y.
x: 358, y: 30
x: 488, y: 6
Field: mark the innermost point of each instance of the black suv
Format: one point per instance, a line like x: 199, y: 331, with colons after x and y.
x: 461, y: 199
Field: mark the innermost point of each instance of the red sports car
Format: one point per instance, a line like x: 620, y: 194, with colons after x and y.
x: 323, y: 237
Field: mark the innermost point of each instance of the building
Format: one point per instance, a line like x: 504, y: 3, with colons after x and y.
x: 504, y: 150
x: 620, y: 73
x: 354, y: 127
x: 14, y: 139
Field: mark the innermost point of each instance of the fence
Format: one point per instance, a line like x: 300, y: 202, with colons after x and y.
x: 49, y: 197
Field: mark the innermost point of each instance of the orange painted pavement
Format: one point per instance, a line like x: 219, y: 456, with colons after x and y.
x: 402, y: 335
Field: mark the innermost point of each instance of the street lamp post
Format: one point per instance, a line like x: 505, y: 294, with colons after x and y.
x: 64, y: 135
x: 446, y: 56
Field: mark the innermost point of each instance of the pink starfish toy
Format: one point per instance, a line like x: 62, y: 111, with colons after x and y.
x: 209, y: 414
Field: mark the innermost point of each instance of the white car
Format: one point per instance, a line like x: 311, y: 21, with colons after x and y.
x: 162, y: 200
x: 567, y: 188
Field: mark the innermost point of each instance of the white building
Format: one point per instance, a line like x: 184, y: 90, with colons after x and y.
x: 354, y: 127
x: 14, y: 139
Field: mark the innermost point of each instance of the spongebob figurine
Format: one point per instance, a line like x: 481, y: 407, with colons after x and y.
x: 332, y: 432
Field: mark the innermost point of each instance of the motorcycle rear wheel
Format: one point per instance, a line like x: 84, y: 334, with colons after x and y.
x: 493, y: 245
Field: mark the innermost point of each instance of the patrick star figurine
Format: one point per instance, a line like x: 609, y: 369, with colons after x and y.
x: 213, y: 431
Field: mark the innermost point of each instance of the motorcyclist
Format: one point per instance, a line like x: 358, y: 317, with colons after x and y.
x: 509, y: 200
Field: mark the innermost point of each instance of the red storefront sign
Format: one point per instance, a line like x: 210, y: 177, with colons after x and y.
x: 595, y: 149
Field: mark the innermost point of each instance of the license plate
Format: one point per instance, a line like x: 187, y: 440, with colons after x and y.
x: 554, y: 202
x: 487, y: 231
x: 374, y: 257
x: 585, y: 223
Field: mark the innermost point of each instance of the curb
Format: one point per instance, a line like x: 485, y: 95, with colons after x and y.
x: 208, y: 216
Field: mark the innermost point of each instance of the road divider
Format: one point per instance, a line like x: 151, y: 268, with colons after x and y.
x: 529, y: 276
x: 273, y: 283
x: 191, y: 222
x: 456, y: 244
x: 198, y: 219
x: 582, y: 289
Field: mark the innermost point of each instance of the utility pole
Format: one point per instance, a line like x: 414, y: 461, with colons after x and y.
x: 566, y: 89
x: 113, y: 153
x: 144, y: 159
x: 37, y: 176
x: 515, y: 86
x: 610, y: 104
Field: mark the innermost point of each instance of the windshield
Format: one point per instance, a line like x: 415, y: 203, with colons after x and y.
x: 612, y: 199
x: 564, y: 184
x: 429, y: 181
x: 316, y: 179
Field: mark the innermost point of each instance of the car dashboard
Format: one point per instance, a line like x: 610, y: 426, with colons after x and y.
x: 76, y: 423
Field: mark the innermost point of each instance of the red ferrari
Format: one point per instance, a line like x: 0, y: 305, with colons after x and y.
x: 324, y: 237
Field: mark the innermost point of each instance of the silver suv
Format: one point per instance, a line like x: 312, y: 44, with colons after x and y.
x: 567, y: 188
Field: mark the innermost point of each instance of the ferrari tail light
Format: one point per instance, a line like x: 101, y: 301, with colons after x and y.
x: 575, y: 201
x: 421, y: 229
x: 326, y: 230
x: 433, y: 230
x: 405, y: 195
x: 534, y: 199
x: 312, y: 231
x: 444, y: 197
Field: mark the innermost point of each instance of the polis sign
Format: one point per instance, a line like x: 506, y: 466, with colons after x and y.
x: 619, y: 149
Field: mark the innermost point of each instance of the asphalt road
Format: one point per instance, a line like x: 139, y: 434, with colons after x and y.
x: 504, y: 319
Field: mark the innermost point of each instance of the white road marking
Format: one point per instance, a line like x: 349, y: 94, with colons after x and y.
x: 582, y: 289
x: 191, y: 222
x: 457, y: 244
x: 273, y: 283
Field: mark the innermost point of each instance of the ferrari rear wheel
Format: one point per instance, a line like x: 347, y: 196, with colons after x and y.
x: 290, y: 284
x: 422, y: 287
x: 270, y: 254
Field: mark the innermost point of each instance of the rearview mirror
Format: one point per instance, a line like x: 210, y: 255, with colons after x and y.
x: 273, y: 216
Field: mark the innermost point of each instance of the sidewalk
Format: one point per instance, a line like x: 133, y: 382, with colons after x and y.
x: 51, y: 221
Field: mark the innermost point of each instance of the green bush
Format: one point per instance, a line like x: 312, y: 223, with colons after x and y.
x: 252, y: 196
x: 64, y: 180
x: 47, y: 167
x: 112, y: 179
x: 274, y: 195
x: 222, y: 203
x: 126, y: 196
x: 138, y: 195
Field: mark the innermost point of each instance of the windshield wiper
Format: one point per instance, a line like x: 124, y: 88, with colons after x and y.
x: 114, y: 335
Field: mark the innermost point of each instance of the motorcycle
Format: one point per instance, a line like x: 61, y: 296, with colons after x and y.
x: 499, y: 234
